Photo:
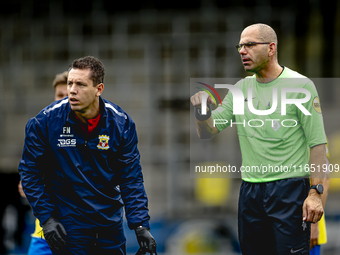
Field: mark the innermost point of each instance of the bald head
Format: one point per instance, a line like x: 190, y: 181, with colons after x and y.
x: 263, y: 32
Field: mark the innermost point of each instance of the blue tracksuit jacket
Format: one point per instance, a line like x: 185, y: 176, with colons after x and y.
x: 66, y: 173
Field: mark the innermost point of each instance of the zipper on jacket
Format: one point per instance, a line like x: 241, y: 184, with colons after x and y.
x: 96, y: 239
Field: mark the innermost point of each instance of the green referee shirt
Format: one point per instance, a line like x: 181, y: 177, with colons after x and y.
x: 274, y: 146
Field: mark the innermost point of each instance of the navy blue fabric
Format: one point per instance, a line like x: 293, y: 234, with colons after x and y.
x: 68, y: 174
x: 107, y: 240
x: 270, y: 217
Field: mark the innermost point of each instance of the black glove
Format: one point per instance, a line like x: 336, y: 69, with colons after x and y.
x: 145, y: 240
x: 54, y: 233
x: 140, y: 252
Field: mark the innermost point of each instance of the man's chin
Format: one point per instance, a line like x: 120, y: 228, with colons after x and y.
x: 248, y: 69
x: 75, y: 108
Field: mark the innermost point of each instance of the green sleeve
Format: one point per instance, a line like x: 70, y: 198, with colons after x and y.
x: 312, y: 125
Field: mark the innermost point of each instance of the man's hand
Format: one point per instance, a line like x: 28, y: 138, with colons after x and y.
x: 312, y: 207
x: 20, y: 189
x: 204, y: 122
x: 196, y: 99
x: 314, y: 235
x: 145, y: 240
x: 54, y: 232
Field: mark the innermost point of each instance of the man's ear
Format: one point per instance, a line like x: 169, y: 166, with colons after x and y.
x: 100, y: 89
x: 272, y: 49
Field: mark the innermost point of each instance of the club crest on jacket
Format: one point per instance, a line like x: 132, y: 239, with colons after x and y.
x: 103, y: 142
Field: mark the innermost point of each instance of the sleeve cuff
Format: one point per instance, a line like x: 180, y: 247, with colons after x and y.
x: 144, y: 224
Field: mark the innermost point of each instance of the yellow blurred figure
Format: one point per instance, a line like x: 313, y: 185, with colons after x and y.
x: 213, y: 189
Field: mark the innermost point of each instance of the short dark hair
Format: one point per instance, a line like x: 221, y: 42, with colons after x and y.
x: 92, y: 63
x: 60, y: 78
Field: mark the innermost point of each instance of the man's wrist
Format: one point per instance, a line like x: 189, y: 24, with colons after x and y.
x: 140, y: 228
x: 318, y: 188
x: 313, y: 192
x: 133, y: 226
x: 198, y: 113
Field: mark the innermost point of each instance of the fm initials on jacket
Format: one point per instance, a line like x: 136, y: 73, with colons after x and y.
x: 66, y: 130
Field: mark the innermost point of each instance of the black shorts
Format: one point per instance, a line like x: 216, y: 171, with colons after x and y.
x: 270, y: 217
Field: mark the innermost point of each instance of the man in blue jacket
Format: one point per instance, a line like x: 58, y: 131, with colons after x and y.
x: 80, y: 166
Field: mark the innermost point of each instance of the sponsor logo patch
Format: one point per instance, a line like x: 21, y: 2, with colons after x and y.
x: 67, y: 142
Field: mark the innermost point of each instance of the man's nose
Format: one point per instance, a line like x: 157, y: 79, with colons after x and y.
x: 73, y: 89
x: 243, y: 50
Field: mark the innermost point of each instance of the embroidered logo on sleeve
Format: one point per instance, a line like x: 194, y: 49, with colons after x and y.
x: 103, y: 142
x: 316, y: 104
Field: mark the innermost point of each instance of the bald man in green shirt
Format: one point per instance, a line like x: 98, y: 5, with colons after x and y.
x: 281, y: 189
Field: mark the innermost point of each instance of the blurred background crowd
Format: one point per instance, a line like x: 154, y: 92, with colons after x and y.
x: 151, y: 49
